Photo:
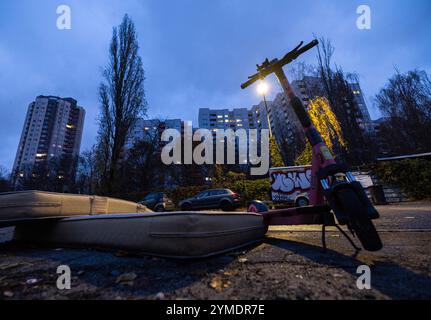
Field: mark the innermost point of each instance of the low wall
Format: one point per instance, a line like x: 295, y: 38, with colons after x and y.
x: 393, y: 193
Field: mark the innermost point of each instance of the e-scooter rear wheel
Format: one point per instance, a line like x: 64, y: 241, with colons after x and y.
x: 359, y: 220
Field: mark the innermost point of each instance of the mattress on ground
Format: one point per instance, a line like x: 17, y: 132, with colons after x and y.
x: 30, y: 205
x: 177, y: 235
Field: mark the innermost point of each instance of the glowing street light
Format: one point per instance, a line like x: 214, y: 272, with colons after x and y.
x: 263, y: 88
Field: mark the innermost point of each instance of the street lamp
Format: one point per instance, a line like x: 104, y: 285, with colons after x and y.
x: 262, y: 89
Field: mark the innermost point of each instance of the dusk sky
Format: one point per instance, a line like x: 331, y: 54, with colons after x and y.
x: 196, y: 53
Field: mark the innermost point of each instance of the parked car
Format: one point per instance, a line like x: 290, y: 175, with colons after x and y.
x: 224, y: 199
x: 158, y: 201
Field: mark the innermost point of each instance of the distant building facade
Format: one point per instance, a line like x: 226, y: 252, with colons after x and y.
x: 150, y: 129
x: 286, y: 128
x: 237, y: 118
x: 275, y: 115
x: 52, y: 129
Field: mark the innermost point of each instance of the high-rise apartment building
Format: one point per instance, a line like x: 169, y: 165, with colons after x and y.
x: 360, y: 100
x: 52, y: 129
x: 286, y: 128
x: 310, y: 87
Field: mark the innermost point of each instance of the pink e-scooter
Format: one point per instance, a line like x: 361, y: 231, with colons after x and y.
x: 334, y: 190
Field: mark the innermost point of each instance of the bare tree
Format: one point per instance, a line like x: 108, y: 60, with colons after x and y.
x: 337, y: 89
x: 299, y: 69
x: 143, y: 170
x: 87, y: 179
x: 406, y: 102
x: 325, y: 51
x: 122, y: 98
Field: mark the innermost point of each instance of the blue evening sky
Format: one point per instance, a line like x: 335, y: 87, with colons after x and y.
x: 196, y: 53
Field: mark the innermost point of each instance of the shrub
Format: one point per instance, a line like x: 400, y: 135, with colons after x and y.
x: 247, y: 189
x: 250, y: 189
x: 413, y: 175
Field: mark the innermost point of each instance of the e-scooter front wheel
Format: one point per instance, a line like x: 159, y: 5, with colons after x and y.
x: 358, y: 219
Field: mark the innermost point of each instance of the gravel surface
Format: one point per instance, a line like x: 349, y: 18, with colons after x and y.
x: 288, y: 264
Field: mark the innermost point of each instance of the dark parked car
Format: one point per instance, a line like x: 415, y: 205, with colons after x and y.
x: 158, y: 201
x: 224, y: 199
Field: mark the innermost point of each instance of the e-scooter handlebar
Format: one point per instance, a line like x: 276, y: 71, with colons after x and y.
x: 268, y: 67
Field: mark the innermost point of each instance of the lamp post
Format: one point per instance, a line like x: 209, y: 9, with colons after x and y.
x: 263, y: 89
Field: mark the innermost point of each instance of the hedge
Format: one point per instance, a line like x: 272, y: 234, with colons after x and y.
x: 413, y: 175
x: 247, y: 189
x: 250, y: 189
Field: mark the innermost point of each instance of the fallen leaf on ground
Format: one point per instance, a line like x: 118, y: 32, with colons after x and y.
x: 126, y: 278
x: 216, y: 283
x: 235, y: 253
x: 242, y: 260
x: 160, y: 296
x: 121, y: 253
x: 8, y: 294
x: 31, y: 281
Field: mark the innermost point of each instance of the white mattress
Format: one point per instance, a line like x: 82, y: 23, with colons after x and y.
x: 177, y: 235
